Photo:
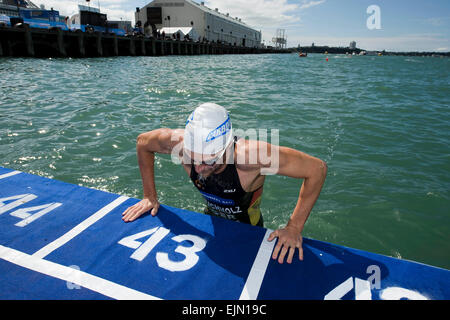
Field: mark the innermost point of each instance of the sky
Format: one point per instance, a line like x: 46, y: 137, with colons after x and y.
x: 395, y: 25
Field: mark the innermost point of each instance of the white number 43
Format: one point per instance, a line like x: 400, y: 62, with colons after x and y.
x: 162, y: 258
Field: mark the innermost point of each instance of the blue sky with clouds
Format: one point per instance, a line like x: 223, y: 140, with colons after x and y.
x: 406, y: 25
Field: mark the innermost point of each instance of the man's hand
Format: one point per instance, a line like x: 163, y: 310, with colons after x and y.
x: 135, y: 211
x: 289, y: 238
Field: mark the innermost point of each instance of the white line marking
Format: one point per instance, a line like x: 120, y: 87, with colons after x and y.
x: 41, y: 253
x: 340, y: 291
x: 81, y: 278
x: 256, y: 275
x: 9, y: 174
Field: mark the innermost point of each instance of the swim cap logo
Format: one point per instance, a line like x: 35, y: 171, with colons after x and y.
x: 220, y: 130
x: 190, y: 118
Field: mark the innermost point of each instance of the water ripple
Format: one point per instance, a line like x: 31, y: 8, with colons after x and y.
x: 381, y: 123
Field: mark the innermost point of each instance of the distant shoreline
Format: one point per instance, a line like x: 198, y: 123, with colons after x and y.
x: 342, y: 50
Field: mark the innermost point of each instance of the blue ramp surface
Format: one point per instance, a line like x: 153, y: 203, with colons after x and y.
x: 63, y: 241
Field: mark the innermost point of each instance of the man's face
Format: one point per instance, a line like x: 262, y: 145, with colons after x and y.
x: 205, y: 170
x: 205, y: 164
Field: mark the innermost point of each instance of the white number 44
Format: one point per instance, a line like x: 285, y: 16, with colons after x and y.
x: 142, y: 249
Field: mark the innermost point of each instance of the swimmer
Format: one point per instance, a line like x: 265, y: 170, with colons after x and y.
x: 220, y: 167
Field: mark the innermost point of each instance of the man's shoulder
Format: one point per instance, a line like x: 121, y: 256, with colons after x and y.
x: 245, y: 144
x: 250, y: 147
x: 247, y: 154
x: 168, y: 134
x: 257, y: 155
x: 169, y: 131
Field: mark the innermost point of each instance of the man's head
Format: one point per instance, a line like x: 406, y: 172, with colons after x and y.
x: 207, y: 135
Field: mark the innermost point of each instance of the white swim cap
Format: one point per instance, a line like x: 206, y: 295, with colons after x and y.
x: 208, y: 129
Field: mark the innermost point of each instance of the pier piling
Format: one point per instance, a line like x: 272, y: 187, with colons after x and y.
x: 143, y: 50
x: 98, y: 43
x: 116, y: 45
x: 153, y: 47
x: 132, y: 47
x: 60, y: 42
x: 28, y: 40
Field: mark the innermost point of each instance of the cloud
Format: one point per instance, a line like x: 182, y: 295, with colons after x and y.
x: 437, y: 21
x: 65, y: 7
x: 264, y: 15
x: 258, y: 13
x: 308, y: 4
x: 115, y: 9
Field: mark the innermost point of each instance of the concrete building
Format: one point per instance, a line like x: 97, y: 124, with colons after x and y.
x: 209, y: 24
x: 352, y: 45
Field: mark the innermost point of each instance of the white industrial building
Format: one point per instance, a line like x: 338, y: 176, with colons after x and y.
x: 206, y: 23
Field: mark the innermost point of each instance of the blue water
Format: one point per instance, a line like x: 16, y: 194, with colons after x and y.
x: 382, y: 124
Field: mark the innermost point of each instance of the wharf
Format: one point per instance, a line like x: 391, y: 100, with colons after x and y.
x: 24, y: 41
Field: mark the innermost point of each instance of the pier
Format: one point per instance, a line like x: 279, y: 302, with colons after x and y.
x: 23, y: 41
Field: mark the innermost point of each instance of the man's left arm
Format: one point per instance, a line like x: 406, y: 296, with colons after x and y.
x: 313, y: 171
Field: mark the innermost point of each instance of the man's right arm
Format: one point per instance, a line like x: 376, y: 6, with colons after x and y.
x: 157, y: 141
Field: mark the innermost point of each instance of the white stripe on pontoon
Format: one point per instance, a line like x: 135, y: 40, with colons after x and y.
x: 81, y: 278
x: 9, y: 174
x: 256, y: 275
x: 41, y: 253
